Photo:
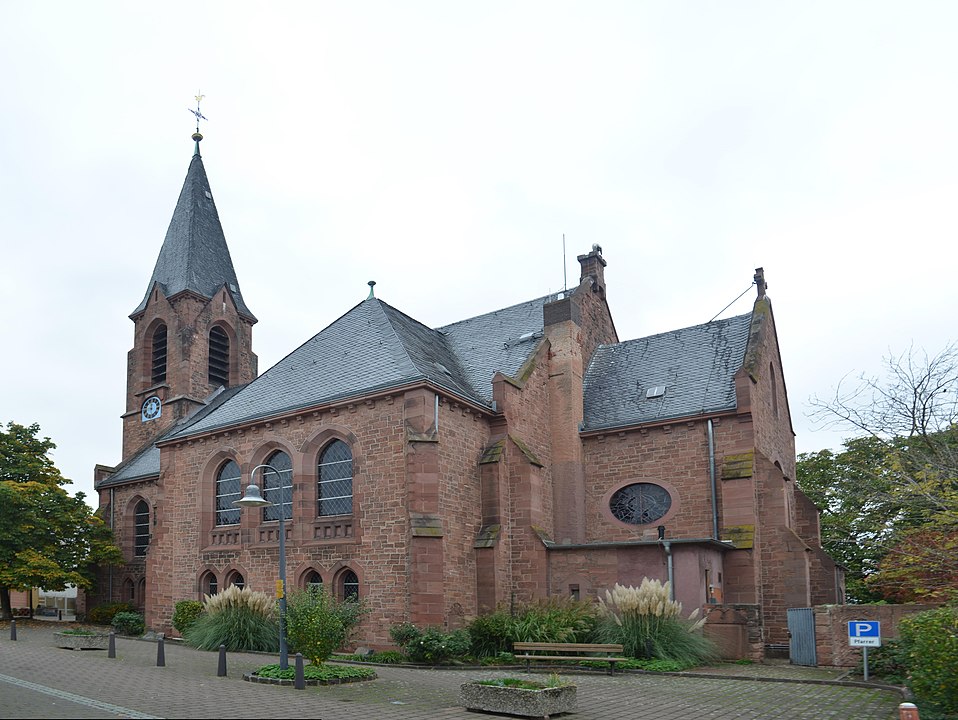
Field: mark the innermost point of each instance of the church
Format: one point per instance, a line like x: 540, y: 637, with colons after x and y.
x: 437, y: 473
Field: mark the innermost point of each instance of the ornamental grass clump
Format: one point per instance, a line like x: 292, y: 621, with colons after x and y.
x: 239, y: 619
x: 650, y: 625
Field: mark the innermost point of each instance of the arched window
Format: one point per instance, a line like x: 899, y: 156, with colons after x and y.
x: 349, y: 585
x: 141, y: 528
x: 278, y: 487
x: 129, y: 591
x: 335, y: 490
x: 228, y: 490
x: 219, y: 357
x: 158, y: 354
x: 209, y: 585
x: 236, y: 579
x: 314, y: 581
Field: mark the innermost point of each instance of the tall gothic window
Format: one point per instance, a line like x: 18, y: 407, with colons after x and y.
x: 158, y: 356
x: 350, y: 585
x: 336, y: 479
x: 227, y: 490
x: 219, y: 357
x: 278, y: 487
x: 141, y: 528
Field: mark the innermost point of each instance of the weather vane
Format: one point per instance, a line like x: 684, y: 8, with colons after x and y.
x: 199, y: 115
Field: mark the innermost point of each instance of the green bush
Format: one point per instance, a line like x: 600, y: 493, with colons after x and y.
x: 558, y: 620
x: 241, y: 620
x: 491, y: 634
x: 103, y: 614
x: 129, y: 623
x: 888, y: 662
x: 185, y: 613
x: 317, y: 624
x: 430, y: 645
x: 931, y: 641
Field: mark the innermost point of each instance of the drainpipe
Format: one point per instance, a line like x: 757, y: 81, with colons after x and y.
x: 436, y: 415
x: 112, y: 503
x: 667, y: 546
x: 711, y: 435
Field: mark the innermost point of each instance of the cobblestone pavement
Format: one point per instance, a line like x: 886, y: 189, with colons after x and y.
x: 38, y: 680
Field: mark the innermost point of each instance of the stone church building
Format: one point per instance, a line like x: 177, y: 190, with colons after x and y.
x: 439, y: 472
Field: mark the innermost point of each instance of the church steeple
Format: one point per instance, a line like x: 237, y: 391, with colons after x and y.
x: 193, y: 330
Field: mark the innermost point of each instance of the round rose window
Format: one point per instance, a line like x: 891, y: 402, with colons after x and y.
x: 640, y: 503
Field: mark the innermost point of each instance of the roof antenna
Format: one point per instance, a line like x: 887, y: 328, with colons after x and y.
x: 565, y: 279
x: 372, y: 284
x: 199, y: 116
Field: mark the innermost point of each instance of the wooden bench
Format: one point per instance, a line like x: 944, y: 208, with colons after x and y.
x: 569, y: 651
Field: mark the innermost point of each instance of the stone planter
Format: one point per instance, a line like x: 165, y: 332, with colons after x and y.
x: 98, y: 641
x: 518, y: 701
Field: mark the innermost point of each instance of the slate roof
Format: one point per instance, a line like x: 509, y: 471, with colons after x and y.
x: 194, y: 255
x: 696, y: 365
x: 373, y: 347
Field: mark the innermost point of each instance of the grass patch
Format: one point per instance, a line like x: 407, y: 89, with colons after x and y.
x: 323, y: 673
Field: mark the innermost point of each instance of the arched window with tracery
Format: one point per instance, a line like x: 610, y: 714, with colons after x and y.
x: 158, y: 356
x: 278, y: 486
x: 335, y: 472
x: 227, y: 491
x: 141, y: 528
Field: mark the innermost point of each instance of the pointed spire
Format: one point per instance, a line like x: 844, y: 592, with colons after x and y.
x: 195, y: 256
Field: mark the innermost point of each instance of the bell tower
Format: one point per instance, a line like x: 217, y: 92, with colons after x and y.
x: 192, y: 331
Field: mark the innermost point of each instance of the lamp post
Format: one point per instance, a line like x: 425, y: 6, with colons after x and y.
x: 253, y: 499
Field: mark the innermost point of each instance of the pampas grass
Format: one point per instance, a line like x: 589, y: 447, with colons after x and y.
x: 239, y: 619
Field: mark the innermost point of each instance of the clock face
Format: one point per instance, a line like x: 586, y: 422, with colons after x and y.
x: 151, y: 409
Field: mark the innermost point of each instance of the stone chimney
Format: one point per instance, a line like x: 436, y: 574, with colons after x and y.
x: 593, y: 266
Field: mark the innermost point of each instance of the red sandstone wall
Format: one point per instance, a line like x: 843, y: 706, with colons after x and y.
x: 831, y: 628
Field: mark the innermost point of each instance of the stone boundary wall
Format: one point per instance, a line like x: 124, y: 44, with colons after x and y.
x: 831, y: 628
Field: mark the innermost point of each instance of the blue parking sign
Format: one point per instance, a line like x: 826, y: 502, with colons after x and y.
x: 864, y: 633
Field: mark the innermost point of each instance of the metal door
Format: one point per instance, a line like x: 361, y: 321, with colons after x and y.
x: 801, y: 636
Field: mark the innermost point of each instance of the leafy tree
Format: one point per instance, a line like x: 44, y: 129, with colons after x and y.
x: 317, y: 624
x: 890, y: 499
x: 48, y: 538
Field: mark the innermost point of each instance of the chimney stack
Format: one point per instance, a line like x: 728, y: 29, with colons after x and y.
x: 593, y: 266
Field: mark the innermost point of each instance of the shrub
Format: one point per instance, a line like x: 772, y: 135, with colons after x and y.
x: 931, y: 640
x: 888, y: 662
x: 554, y: 620
x: 239, y: 619
x: 649, y: 625
x: 491, y: 634
x: 430, y: 645
x: 323, y: 673
x: 317, y: 624
x: 128, y: 623
x: 103, y: 614
x: 185, y: 613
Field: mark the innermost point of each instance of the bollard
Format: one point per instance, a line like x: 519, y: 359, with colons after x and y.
x: 13, y: 629
x: 907, y: 711
x: 160, y: 652
x: 300, y: 682
x: 221, y: 669
x: 111, y: 651
x: 59, y: 614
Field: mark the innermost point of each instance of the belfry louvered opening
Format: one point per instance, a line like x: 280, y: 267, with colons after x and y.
x: 158, y: 365
x: 219, y: 364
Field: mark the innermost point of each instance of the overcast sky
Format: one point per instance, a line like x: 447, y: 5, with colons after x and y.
x: 443, y: 149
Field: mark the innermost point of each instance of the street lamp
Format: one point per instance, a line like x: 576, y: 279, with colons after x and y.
x: 253, y: 499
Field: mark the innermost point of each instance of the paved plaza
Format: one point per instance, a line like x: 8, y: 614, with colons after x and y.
x: 38, y: 680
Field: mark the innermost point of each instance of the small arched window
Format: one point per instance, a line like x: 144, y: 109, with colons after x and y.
x: 314, y: 581
x: 141, y: 528
x: 209, y: 584
x: 129, y: 591
x: 278, y: 487
x: 227, y: 490
x: 349, y: 585
x: 219, y: 357
x: 335, y: 473
x: 237, y: 579
x: 158, y: 356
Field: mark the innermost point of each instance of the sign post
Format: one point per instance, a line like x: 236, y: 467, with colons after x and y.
x: 864, y: 634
